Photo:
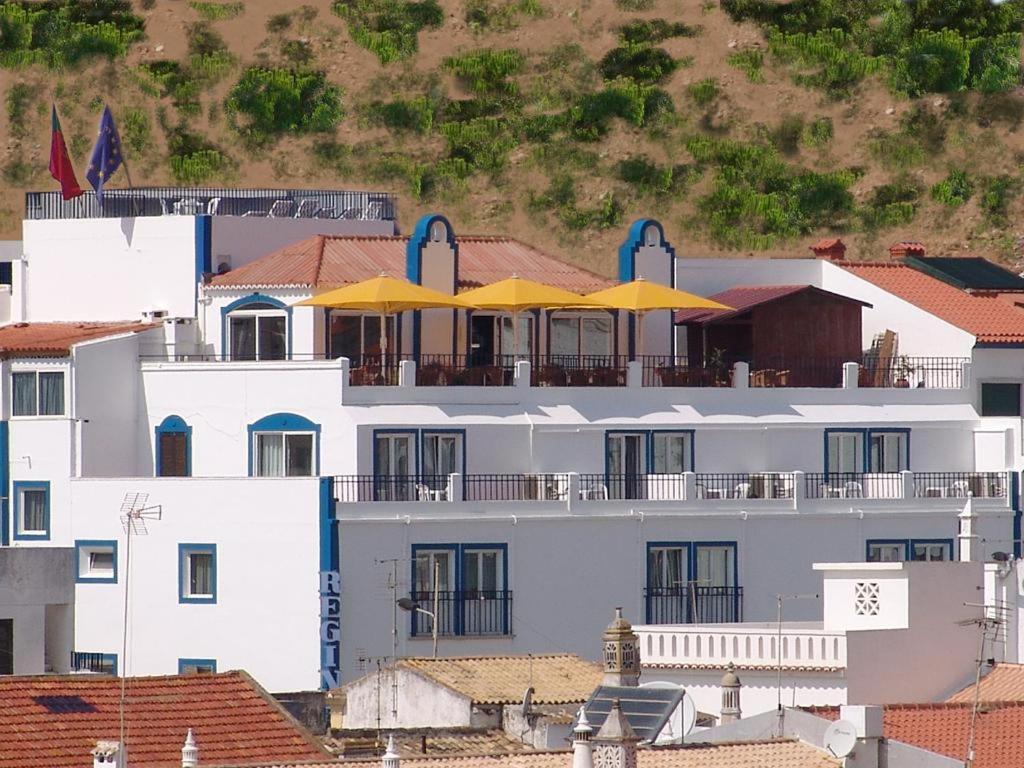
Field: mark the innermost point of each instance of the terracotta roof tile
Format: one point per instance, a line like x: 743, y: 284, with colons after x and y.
x: 1004, y: 682
x: 56, y: 339
x: 744, y: 297
x: 989, y: 319
x: 326, y: 261
x: 556, y: 679
x: 53, y: 721
x: 436, y: 741
x: 944, y: 728
x: 767, y: 754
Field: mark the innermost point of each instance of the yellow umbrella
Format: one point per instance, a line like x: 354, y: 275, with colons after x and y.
x: 640, y: 297
x: 384, y: 295
x: 515, y: 294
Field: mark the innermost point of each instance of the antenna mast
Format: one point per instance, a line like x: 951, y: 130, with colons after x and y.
x: 984, y: 624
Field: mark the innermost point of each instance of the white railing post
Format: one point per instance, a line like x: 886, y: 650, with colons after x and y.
x: 407, y: 373
x: 455, y: 487
x: 522, y: 373
x: 689, y: 486
x: 634, y: 373
x: 573, y: 487
x: 799, y: 487
x: 908, y: 484
x: 346, y: 371
x: 851, y: 375
x: 966, y: 371
x: 741, y: 375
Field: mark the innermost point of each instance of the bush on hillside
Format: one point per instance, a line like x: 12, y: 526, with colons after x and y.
x: 266, y: 103
x: 389, y: 28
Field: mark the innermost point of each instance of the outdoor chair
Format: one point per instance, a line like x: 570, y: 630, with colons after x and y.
x: 307, y: 209
x: 854, y: 490
x: 742, y: 491
x: 280, y: 209
x: 960, y: 489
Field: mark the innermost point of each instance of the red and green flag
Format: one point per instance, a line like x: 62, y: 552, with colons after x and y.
x: 60, y: 162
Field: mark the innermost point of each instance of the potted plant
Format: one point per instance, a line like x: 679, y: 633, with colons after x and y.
x: 903, y: 371
x: 716, y: 367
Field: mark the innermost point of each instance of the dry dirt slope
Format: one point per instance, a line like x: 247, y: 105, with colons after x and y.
x: 500, y: 203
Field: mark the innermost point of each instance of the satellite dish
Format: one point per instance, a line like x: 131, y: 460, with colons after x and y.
x: 840, y: 738
x: 527, y: 701
x: 689, y: 714
x: 682, y: 719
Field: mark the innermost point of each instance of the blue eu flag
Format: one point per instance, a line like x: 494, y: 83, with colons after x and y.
x: 106, y: 154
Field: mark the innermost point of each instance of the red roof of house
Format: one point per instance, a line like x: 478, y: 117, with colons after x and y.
x: 744, y: 297
x: 329, y: 261
x: 944, y: 728
x: 986, y: 316
x: 56, y: 339
x: 55, y: 721
x: 1004, y: 682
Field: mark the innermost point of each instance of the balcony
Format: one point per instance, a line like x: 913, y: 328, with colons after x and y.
x: 693, y: 604
x: 189, y: 201
x: 471, y: 613
x: 100, y: 663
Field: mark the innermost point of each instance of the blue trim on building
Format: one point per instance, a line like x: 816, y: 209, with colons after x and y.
x: 627, y: 269
x: 461, y: 432
x: 691, y: 548
x: 183, y: 551
x: 94, y: 544
x: 414, y: 265
x: 31, y: 485
x: 648, y: 436
x: 5, y: 479
x: 242, y: 303
x: 173, y: 425
x: 203, y: 248
x: 183, y: 663
x: 485, y: 547
x: 866, y: 434
x: 1016, y: 505
x: 285, y: 422
x: 330, y: 589
x: 908, y: 547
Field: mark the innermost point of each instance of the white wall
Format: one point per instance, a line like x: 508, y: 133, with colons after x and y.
x: 370, y: 702
x: 267, y: 617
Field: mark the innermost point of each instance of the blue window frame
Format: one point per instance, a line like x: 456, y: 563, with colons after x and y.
x: 284, y: 445
x: 173, y: 444
x: 692, y: 582
x: 404, y: 459
x: 96, y: 561
x: 629, y: 454
x: 903, y: 550
x: 197, y: 666
x: 472, y: 588
x: 871, y: 449
x: 257, y: 334
x: 88, y: 661
x: 31, y: 510
x: 197, y: 573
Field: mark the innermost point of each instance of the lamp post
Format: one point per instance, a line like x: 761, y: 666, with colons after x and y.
x: 408, y: 604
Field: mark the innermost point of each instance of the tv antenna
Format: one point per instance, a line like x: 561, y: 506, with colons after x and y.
x: 134, y: 514
x: 780, y: 599
x: 984, y: 623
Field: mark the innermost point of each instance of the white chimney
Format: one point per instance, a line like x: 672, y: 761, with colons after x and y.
x: 108, y: 754
x: 190, y: 752
x: 582, y: 752
x: 967, y: 537
x: 868, y: 723
x: 390, y: 759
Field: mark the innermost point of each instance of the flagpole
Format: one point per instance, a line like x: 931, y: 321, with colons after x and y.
x: 128, y: 176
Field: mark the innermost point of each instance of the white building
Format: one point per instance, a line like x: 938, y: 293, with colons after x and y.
x: 306, y: 483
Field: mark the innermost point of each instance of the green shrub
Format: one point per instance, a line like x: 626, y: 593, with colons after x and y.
x: 333, y: 154
x: 136, y: 131
x: 482, y: 143
x: 837, y: 64
x: 954, y: 190
x: 995, y: 195
x: 485, y: 70
x: 61, y: 33
x: 18, y: 98
x: 932, y: 61
x: 17, y: 172
x: 297, y: 52
x: 643, y: 64
x: 389, y: 28
x: 590, y: 118
x: 819, y: 132
x: 217, y: 11
x: 279, y: 22
x: 500, y: 15
x: 895, y: 151
x: 891, y: 205
x: 199, y: 167
x: 1005, y: 108
x: 641, y: 31
x: 649, y: 178
x: 415, y: 114
x: 635, y: 5
x: 272, y: 102
x: 174, y: 81
x: 749, y: 62
x: 560, y: 197
x: 786, y: 136
x: 703, y: 92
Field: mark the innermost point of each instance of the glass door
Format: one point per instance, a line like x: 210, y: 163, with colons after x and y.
x: 431, y: 563
x: 627, y: 462
x: 394, y: 467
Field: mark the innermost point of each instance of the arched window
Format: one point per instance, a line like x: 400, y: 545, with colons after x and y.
x: 173, y: 448
x: 284, y: 445
x: 652, y: 236
x: 256, y: 328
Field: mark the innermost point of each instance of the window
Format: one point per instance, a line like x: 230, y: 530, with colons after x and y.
x: 394, y: 467
x: 442, y: 454
x: 511, y: 343
x: 96, y: 561
x: 931, y: 551
x: 197, y: 573
x: 845, y: 452
x: 895, y: 550
x: 284, y: 454
x: 652, y: 236
x: 887, y: 450
x: 173, y: 448
x: 575, y: 335
x: 257, y: 329
x: 31, y: 510
x: 630, y: 456
x: 37, y: 393
x: 438, y: 231
x: 671, y: 452
x: 472, y: 598
x: 887, y: 552
x: 890, y: 451
x: 6, y: 646
x: 692, y: 582
x: 359, y: 336
x: 88, y: 661
x: 197, y: 666
x: 1000, y: 399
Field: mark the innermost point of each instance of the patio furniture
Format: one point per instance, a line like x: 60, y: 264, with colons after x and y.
x: 832, y: 491
x: 594, y: 491
x: 551, y: 376
x: 280, y: 209
x: 960, y: 489
x: 742, y: 491
x: 854, y: 490
x: 426, y: 493
x: 212, y: 206
x: 579, y: 377
x: 307, y: 209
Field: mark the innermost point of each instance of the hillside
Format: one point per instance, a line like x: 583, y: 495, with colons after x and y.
x: 742, y: 129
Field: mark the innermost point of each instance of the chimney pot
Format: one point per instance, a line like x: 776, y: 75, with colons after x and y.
x: 899, y: 251
x: 391, y: 759
x: 831, y: 248
x: 190, y: 752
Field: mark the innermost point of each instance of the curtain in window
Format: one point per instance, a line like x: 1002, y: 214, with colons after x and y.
x: 480, y: 574
x: 200, y: 575
x: 299, y: 455
x: 888, y: 451
x: 270, y: 455
x: 243, y: 338
x: 507, y: 338
x: 23, y: 386
x: 273, y: 339
x: 51, y: 394
x: 844, y: 452
x: 565, y: 336
x: 670, y: 453
x: 596, y: 335
x: 665, y: 568
x: 33, y: 505
x: 425, y: 562
x: 886, y: 553
x: 441, y: 455
x: 714, y: 566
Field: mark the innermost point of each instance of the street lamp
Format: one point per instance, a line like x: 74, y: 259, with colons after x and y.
x: 408, y: 604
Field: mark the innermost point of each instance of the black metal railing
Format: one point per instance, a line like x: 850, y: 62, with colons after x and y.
x: 462, y: 370
x: 473, y: 613
x: 670, y: 371
x: 901, y: 371
x: 356, y: 488
x: 550, y: 486
x: 164, y: 201
x: 104, y: 663
x: 985, y: 485
x: 693, y: 604
x: 853, y: 485
x: 579, y: 371
x: 796, y: 372
x: 744, y: 485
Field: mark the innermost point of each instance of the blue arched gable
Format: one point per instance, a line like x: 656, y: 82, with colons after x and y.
x: 242, y: 303
x: 414, y: 267
x: 634, y: 242
x: 286, y: 422
x: 174, y: 424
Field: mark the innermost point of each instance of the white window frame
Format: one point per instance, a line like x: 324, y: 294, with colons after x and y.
x: 499, y: 566
x: 897, y: 551
x: 257, y: 464
x: 87, y: 570
x: 35, y: 371
x: 243, y: 312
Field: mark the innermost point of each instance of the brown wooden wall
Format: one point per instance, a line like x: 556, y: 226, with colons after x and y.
x: 807, y: 325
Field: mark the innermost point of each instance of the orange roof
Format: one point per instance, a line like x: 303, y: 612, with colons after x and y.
x: 944, y: 728
x: 1004, y: 682
x: 56, y: 339
x: 989, y: 319
x: 329, y: 261
x: 55, y: 721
